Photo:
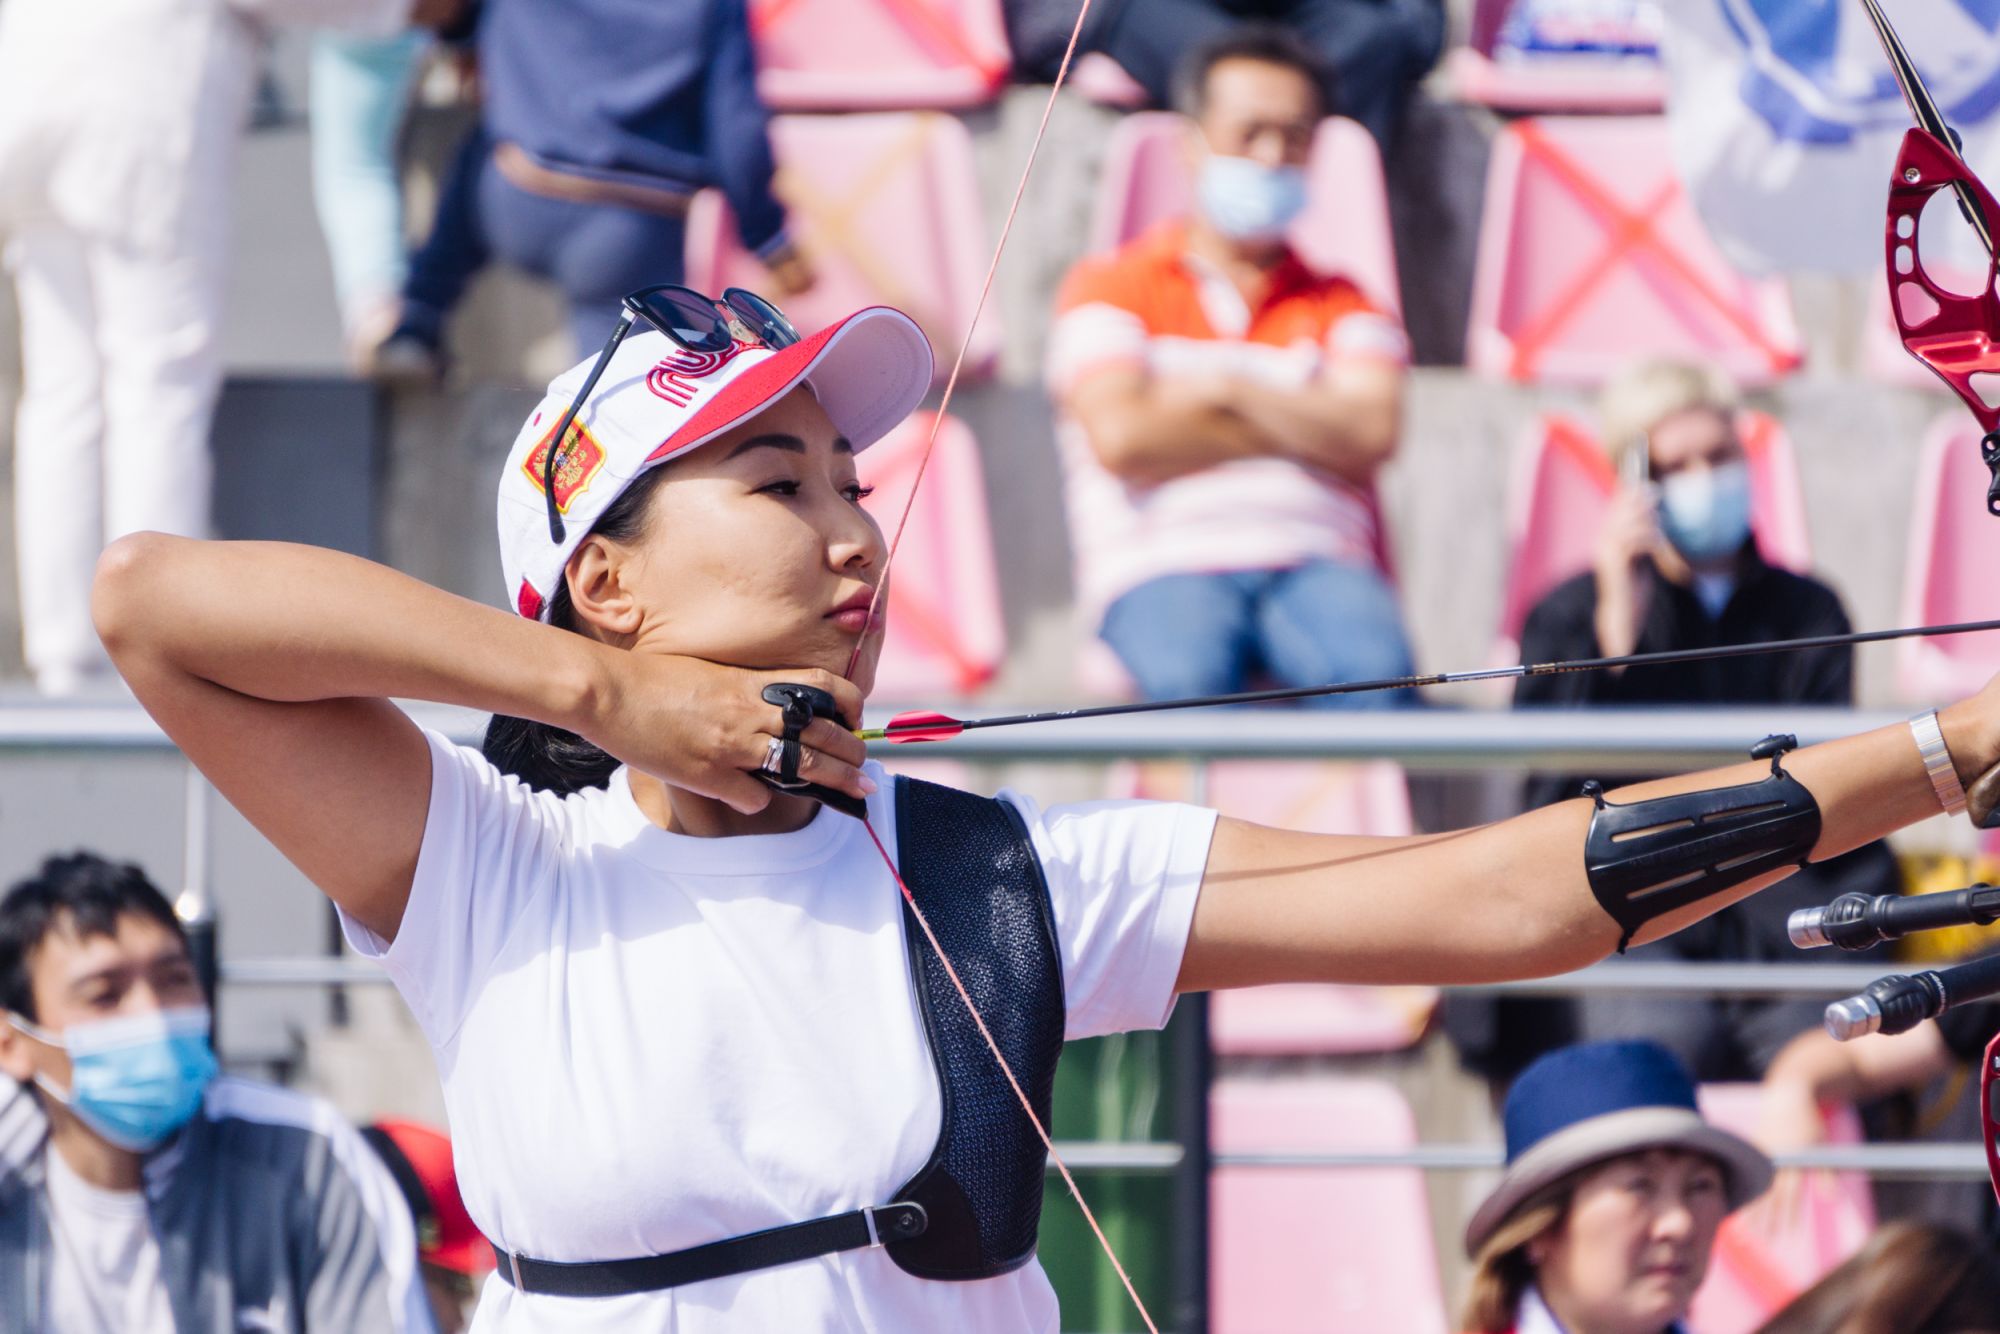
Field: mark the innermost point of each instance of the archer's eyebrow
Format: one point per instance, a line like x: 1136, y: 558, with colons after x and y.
x: 791, y: 444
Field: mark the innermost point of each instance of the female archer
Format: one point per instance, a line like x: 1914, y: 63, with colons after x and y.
x: 702, y: 1072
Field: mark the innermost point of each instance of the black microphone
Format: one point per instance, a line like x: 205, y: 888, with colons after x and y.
x: 1898, y: 1004
x: 1857, y: 921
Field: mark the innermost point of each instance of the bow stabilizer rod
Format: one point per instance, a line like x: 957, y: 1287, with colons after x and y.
x: 930, y: 726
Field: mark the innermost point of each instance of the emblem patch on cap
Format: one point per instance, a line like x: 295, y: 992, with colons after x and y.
x: 576, y: 464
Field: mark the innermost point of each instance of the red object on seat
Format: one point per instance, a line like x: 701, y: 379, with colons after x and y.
x: 1590, y: 257
x: 1561, y: 483
x: 1318, y: 1250
x: 887, y: 209
x: 945, y: 633
x: 1344, y: 229
x: 1948, y: 576
x: 860, y: 55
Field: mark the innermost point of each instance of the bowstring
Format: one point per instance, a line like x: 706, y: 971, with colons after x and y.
x: 874, y: 609
x: 1041, y: 1131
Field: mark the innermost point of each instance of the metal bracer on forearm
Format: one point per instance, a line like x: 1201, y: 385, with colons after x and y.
x: 1648, y: 858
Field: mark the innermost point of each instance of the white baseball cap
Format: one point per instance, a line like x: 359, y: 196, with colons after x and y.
x: 656, y: 400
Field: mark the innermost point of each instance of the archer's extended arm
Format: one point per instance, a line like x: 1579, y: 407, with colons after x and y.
x: 1515, y: 899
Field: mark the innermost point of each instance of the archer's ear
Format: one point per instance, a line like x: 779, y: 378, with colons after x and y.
x: 599, y: 591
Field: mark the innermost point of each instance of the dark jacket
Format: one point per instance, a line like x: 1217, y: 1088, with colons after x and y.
x: 655, y: 93
x: 270, y: 1212
x: 1768, y: 603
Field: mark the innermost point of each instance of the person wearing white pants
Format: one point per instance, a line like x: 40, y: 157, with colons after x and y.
x: 118, y: 134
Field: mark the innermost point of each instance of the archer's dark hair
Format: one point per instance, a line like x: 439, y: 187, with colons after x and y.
x: 1267, y: 43
x: 548, y: 758
x: 82, y: 892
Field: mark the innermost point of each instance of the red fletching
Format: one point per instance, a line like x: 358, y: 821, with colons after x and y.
x: 922, y: 727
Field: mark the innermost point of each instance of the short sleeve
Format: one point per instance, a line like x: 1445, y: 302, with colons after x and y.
x: 1363, y: 334
x: 1123, y: 877
x: 1098, y: 324
x: 489, y: 844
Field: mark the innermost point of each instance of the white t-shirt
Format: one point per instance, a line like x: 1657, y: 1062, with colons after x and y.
x: 104, y: 1276
x: 650, y: 1041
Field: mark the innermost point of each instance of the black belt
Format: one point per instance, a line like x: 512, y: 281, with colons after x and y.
x: 785, y: 1245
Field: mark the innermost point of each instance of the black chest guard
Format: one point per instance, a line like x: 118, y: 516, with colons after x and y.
x: 970, y: 866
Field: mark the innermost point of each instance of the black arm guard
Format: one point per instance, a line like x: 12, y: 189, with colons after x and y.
x: 1648, y: 858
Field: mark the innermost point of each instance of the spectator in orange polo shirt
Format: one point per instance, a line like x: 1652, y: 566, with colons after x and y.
x: 1225, y: 410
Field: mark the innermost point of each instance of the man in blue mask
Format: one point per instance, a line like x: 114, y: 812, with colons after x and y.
x: 1223, y: 412
x: 140, y: 1193
x: 1677, y: 566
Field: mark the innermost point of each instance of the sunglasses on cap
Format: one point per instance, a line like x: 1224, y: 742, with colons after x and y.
x: 696, y: 321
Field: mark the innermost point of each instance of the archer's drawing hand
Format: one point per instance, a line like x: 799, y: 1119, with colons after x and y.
x: 705, y: 727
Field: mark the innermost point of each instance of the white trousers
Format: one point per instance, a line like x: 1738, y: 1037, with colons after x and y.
x: 121, y: 368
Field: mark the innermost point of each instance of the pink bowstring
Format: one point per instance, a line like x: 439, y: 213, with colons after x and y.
x: 1019, y: 1093
x: 965, y: 343
x: 874, y: 609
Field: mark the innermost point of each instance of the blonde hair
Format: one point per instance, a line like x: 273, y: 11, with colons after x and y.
x: 1645, y: 394
x: 1502, y: 1271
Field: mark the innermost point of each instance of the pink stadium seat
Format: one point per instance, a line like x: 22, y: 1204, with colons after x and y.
x: 870, y: 55
x: 1948, y: 576
x: 1324, y: 1250
x: 1752, y: 1272
x: 1556, y: 83
x: 1561, y: 481
x: 945, y: 634
x: 1344, y: 230
x: 1590, y: 256
x: 887, y: 208
x: 1327, y: 798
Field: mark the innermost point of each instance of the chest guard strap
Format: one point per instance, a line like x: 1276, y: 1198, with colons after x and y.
x: 1649, y: 858
x: 971, y: 867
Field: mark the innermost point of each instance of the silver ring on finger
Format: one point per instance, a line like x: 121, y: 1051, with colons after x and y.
x: 774, y: 756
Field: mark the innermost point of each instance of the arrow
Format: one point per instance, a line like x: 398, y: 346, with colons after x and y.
x: 932, y: 726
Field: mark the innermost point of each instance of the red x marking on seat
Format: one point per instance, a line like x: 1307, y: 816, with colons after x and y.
x: 940, y: 32
x: 1628, y: 232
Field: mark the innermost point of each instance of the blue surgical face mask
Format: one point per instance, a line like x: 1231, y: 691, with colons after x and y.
x: 135, y: 1079
x: 1706, y: 513
x: 1248, y: 201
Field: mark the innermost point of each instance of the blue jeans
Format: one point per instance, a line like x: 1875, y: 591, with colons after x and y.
x: 1314, y: 624
x: 595, y: 253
